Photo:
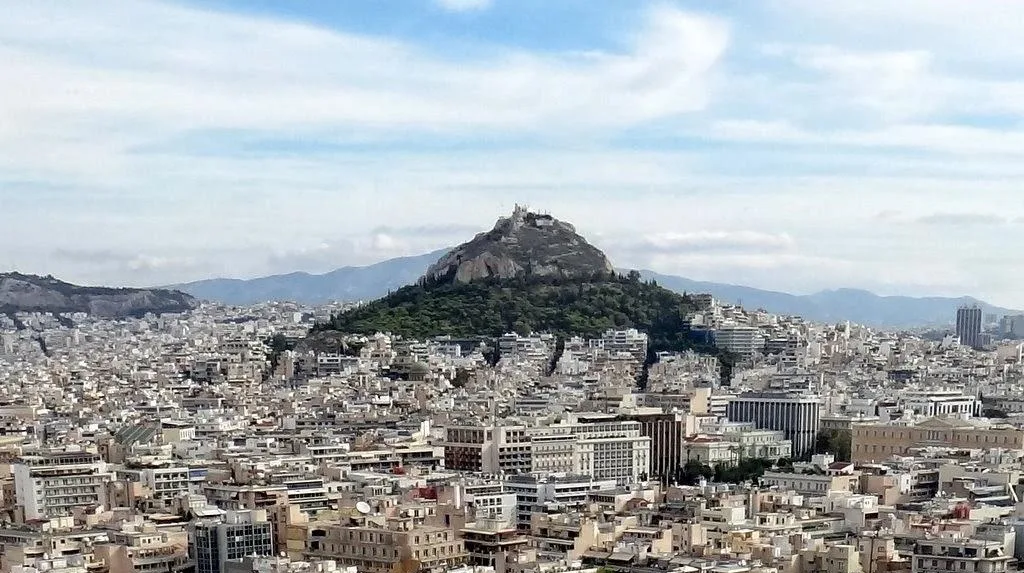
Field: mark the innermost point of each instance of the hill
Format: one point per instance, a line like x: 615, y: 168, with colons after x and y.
x: 855, y: 305
x: 525, y: 244
x: 30, y: 293
x: 492, y: 307
x: 343, y: 284
x: 494, y: 284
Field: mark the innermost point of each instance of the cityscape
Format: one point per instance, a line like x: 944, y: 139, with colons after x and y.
x: 286, y: 437
x: 511, y: 286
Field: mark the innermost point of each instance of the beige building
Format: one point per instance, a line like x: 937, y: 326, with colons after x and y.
x: 831, y: 559
x: 941, y: 554
x: 811, y: 484
x: 143, y: 549
x: 489, y: 541
x: 879, y: 442
x: 380, y: 545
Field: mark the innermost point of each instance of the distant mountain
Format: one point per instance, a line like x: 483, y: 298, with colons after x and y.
x: 858, y: 306
x: 30, y: 293
x: 374, y: 281
x: 346, y: 283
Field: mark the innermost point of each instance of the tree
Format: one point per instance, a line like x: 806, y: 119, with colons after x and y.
x: 835, y: 442
x: 462, y: 377
x: 994, y: 413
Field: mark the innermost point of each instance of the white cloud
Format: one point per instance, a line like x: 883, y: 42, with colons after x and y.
x: 711, y: 241
x: 141, y: 72
x: 959, y: 30
x: 950, y: 138
x: 138, y: 125
x: 464, y: 5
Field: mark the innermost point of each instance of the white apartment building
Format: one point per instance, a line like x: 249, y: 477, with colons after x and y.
x: 53, y: 484
x: 555, y: 454
x: 607, y: 450
x: 739, y: 339
x: 629, y: 341
x: 940, y: 403
x: 168, y: 483
x: 943, y: 554
x: 569, y: 490
x: 490, y: 500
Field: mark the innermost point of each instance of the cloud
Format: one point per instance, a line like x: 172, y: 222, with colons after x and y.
x: 143, y: 72
x: 962, y: 219
x: 897, y: 84
x: 948, y: 139
x: 92, y: 256
x: 378, y: 244
x: 442, y: 230
x: 709, y: 242
x: 135, y: 268
x: 464, y: 5
x: 958, y: 30
x: 164, y: 140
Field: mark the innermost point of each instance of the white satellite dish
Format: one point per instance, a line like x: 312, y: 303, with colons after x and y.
x: 363, y: 508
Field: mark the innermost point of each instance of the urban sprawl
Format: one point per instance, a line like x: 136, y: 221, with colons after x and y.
x: 181, y: 443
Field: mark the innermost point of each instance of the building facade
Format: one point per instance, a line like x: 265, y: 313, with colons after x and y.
x: 795, y: 415
x: 878, y: 442
x: 242, y: 534
x: 54, y: 484
x: 968, y: 325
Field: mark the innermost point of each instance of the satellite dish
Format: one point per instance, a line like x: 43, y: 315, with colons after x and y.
x: 363, y: 508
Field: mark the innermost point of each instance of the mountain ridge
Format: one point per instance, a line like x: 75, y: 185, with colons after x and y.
x: 857, y: 305
x: 31, y: 293
x: 348, y: 283
x: 374, y: 281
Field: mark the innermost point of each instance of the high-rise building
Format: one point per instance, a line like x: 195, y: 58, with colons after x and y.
x: 241, y: 534
x: 968, y: 325
x: 53, y: 484
x: 795, y: 415
x: 1012, y: 326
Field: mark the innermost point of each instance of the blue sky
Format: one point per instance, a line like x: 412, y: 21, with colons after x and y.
x: 786, y: 144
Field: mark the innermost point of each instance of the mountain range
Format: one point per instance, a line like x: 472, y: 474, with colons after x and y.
x: 344, y: 284
x: 376, y: 280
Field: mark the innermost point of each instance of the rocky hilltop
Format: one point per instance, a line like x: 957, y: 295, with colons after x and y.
x: 523, y: 245
x: 30, y: 293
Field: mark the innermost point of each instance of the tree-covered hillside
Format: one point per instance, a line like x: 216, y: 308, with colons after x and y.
x: 491, y: 308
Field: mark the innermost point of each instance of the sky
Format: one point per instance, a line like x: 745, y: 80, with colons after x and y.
x: 795, y: 145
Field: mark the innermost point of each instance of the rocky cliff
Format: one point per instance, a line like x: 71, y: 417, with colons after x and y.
x: 29, y: 293
x: 525, y: 244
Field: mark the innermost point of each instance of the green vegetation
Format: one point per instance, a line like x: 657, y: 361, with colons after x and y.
x: 745, y: 470
x: 564, y: 307
x: 277, y: 345
x: 994, y: 413
x: 835, y: 442
x: 492, y: 308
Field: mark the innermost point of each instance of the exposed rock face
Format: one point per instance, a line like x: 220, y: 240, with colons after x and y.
x: 29, y: 293
x: 525, y: 244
